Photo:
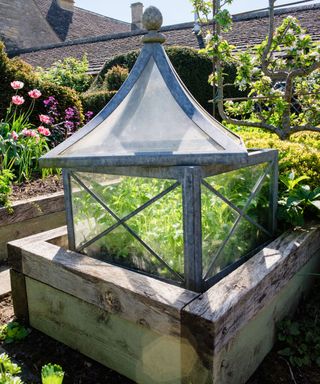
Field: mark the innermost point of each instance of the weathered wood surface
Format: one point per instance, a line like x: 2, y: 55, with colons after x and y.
x: 241, y: 356
x: 20, y: 300
x: 28, y: 227
x: 137, y: 298
x: 147, y: 329
x: 31, y: 208
x: 135, y: 351
x: 217, y: 315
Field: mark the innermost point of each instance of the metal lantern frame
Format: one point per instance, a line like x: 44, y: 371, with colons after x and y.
x: 188, y: 170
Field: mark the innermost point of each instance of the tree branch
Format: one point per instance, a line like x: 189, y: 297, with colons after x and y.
x: 274, y: 75
x: 307, y: 127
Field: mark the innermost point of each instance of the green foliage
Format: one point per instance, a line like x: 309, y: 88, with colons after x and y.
x: 16, y: 69
x: 96, y: 100
x: 115, y: 77
x: 52, y: 374
x: 20, y: 146
x: 301, y: 153
x: 161, y: 224
x: 297, y: 200
x: 182, y: 58
x: 69, y: 72
x: 12, y: 332
x: 8, y: 371
x: 299, y: 339
x: 271, y: 103
x: 283, y: 89
x: 6, y: 178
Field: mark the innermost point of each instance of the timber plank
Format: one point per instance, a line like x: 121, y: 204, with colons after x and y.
x: 28, y: 227
x: 19, y: 298
x: 31, y: 208
x: 129, y: 348
x: 231, y: 303
x: 138, y: 298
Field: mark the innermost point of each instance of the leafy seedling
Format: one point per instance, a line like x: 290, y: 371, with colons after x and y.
x: 8, y: 370
x: 12, y: 332
x: 52, y: 374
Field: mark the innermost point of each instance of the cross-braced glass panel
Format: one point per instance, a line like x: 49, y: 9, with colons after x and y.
x: 130, y: 221
x: 244, y: 195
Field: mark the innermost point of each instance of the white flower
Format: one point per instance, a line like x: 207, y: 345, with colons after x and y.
x: 208, y: 38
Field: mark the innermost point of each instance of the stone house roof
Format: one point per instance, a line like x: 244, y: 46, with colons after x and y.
x: 247, y: 30
x: 79, y: 23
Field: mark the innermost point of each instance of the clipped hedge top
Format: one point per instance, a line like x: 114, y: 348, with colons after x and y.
x: 301, y: 153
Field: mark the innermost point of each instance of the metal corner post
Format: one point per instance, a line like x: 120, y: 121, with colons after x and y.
x: 192, y: 228
x: 68, y: 205
x: 274, y: 193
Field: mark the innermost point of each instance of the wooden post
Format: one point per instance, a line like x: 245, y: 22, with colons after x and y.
x: 19, y: 296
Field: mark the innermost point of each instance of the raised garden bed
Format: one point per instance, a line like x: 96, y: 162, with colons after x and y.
x: 81, y: 370
x: 154, y: 332
x: 36, y: 207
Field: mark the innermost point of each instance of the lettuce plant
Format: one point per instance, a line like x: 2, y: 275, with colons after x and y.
x: 8, y: 371
x: 52, y: 374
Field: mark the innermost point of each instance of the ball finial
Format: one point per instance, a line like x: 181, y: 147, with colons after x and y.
x: 152, y: 19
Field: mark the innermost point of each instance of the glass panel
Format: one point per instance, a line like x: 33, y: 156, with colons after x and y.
x: 236, y: 186
x: 217, y: 220
x: 143, y: 123
x: 89, y: 216
x: 245, y: 238
x: 121, y: 248
x: 123, y: 194
x: 259, y: 208
x: 161, y: 227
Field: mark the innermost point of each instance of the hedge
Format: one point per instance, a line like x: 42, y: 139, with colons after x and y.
x: 96, y: 100
x: 193, y: 68
x: 301, y: 153
x: 16, y: 69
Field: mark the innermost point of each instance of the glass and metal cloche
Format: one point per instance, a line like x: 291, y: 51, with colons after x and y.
x: 156, y: 185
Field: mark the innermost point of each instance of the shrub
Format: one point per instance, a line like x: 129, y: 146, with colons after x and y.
x: 96, y: 100
x: 115, y: 77
x: 6, y: 178
x: 16, y: 69
x: 301, y: 153
x: 69, y: 72
x: 193, y: 68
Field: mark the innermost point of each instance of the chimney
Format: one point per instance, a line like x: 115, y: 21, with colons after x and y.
x: 136, y: 16
x: 67, y: 5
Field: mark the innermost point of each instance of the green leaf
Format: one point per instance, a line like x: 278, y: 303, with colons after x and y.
x: 52, y: 374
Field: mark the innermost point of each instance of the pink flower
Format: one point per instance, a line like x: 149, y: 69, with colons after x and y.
x: 17, y: 100
x: 29, y: 133
x: 44, y: 131
x: 45, y: 119
x: 34, y: 94
x: 33, y: 133
x: 17, y: 84
x: 14, y: 135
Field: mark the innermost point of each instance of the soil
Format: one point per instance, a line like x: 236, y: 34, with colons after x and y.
x: 38, y: 349
x: 35, y: 188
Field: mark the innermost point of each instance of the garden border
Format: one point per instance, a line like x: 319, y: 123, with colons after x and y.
x: 30, y: 216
